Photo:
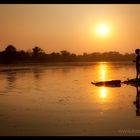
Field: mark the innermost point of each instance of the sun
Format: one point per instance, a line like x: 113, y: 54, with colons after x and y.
x: 102, y: 30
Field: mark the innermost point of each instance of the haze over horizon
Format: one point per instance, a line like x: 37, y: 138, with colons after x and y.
x: 76, y: 28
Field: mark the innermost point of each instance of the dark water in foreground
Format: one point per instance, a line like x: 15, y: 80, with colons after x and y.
x: 60, y: 100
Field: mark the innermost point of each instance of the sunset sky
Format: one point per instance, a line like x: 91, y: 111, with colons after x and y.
x: 76, y: 28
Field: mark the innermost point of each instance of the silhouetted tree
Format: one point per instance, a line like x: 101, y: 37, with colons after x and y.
x: 10, y: 54
x: 38, y: 54
x: 65, y: 55
x: 36, y: 51
x: 10, y: 49
x: 55, y: 57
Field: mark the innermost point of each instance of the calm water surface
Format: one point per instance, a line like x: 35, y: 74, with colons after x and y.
x: 60, y: 100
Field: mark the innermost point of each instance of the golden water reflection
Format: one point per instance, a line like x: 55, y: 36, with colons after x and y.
x: 103, y: 93
x: 103, y: 71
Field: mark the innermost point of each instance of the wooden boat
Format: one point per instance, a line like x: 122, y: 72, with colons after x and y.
x: 112, y: 83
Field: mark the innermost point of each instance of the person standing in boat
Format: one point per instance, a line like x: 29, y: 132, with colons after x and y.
x: 137, y: 62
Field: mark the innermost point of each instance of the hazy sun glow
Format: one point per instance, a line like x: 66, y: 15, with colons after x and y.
x: 102, y: 30
x: 76, y: 28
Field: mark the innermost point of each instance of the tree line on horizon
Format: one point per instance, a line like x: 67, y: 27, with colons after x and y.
x: 11, y: 55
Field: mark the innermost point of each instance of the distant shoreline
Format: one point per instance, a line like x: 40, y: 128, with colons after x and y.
x: 11, y: 56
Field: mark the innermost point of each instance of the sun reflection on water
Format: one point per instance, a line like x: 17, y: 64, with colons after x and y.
x: 102, y: 71
x: 103, y: 92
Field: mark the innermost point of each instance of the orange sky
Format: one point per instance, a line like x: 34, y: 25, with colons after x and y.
x: 56, y: 27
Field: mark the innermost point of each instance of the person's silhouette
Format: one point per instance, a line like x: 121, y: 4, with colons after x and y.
x: 137, y: 51
x: 137, y: 102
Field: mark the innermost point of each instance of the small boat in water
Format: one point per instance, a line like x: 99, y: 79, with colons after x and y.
x: 117, y: 83
x: 112, y: 83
